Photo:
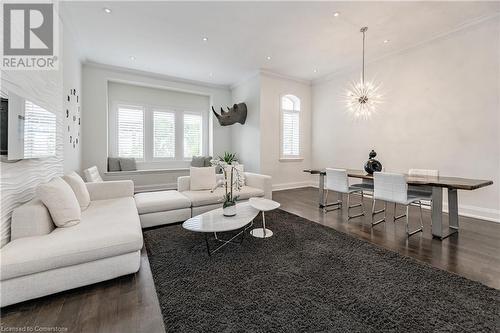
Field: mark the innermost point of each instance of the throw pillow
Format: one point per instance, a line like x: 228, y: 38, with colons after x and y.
x: 198, y: 162
x: 61, y: 202
x: 114, y: 164
x: 240, y: 169
x: 79, y: 188
x: 207, y: 162
x: 202, y: 178
x: 128, y: 164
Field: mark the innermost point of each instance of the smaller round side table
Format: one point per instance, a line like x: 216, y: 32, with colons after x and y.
x: 263, y: 205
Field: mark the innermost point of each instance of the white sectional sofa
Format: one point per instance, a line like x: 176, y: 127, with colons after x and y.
x: 42, y: 259
x: 164, y: 207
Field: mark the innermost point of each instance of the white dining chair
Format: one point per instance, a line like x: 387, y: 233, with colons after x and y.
x: 392, y: 187
x: 424, y: 191
x: 337, y: 181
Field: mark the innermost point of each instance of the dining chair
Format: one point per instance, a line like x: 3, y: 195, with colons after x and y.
x: 424, y: 191
x: 392, y: 187
x: 337, y: 181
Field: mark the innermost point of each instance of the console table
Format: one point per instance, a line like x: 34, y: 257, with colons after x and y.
x: 453, y: 184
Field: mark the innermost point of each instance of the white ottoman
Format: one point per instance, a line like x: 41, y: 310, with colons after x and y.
x: 162, y: 207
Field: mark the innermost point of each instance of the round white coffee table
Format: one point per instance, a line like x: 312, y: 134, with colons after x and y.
x: 263, y: 205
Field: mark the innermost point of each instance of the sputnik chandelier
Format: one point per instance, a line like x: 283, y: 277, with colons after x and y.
x: 362, y: 97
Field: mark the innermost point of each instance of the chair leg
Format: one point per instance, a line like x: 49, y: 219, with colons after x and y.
x: 337, y: 204
x: 354, y: 206
x: 397, y: 217
x: 408, y: 232
x: 421, y: 216
x: 375, y: 212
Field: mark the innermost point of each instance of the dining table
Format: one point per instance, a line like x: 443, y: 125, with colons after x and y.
x: 437, y: 183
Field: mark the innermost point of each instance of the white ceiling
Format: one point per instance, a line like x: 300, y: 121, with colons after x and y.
x: 166, y: 37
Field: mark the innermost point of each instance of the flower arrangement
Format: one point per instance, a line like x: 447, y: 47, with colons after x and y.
x: 231, y: 182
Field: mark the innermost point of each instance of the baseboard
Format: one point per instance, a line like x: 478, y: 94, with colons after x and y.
x: 155, y: 187
x: 487, y: 214
x: 288, y: 186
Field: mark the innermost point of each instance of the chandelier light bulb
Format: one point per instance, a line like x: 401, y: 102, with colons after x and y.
x: 362, y: 97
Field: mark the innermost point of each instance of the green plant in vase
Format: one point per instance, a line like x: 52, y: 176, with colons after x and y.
x: 231, y: 182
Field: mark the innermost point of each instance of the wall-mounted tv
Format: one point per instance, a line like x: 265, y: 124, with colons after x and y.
x: 28, y: 130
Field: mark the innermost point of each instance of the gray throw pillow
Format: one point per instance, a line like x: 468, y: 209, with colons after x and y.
x: 198, y: 162
x: 114, y: 164
x: 207, y: 161
x: 128, y: 164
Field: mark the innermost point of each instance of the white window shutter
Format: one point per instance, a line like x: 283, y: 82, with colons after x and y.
x: 39, y: 131
x: 290, y: 133
x: 130, y: 132
x: 163, y: 134
x: 193, y: 126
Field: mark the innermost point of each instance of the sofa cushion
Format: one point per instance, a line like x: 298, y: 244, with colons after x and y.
x: 114, y: 164
x: 108, y: 228
x: 206, y: 197
x: 127, y: 164
x: 61, y: 201
x: 151, y: 202
x: 92, y: 175
x: 202, y: 178
x: 31, y: 219
x: 79, y: 188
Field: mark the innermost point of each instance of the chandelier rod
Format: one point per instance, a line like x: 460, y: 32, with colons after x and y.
x: 363, y: 30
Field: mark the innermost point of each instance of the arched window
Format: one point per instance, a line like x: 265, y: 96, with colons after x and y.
x: 290, y: 126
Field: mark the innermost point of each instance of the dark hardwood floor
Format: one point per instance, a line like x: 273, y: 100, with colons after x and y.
x: 473, y: 253
x: 130, y: 304
x: 126, y: 304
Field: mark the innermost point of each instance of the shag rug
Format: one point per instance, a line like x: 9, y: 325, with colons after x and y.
x: 308, y: 278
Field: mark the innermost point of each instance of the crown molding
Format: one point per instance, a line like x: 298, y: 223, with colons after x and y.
x: 442, y: 35
x: 267, y: 73
x: 159, y: 76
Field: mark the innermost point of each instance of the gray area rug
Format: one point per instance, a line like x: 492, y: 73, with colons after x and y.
x: 308, y: 278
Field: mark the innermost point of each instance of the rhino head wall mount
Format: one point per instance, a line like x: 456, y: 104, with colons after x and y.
x: 236, y: 114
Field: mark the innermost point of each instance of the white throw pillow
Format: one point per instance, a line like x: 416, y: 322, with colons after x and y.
x: 241, y: 171
x: 78, y: 186
x: 202, y: 178
x: 61, y: 202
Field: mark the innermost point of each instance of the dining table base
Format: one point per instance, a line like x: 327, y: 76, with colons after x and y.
x: 438, y: 229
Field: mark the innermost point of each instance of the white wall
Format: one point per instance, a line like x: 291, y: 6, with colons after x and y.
x: 246, y: 139
x: 441, y: 112
x: 95, y: 108
x: 18, y: 180
x: 285, y: 173
x: 72, y: 79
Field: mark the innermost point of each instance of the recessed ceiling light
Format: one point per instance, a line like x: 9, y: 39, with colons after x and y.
x: 132, y: 58
x: 268, y: 58
x: 336, y: 14
x: 107, y: 10
x: 205, y: 39
x: 210, y: 74
x: 386, y: 41
x: 315, y: 70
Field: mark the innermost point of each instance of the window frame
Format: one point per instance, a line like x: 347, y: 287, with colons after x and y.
x: 149, y: 161
x: 282, y: 111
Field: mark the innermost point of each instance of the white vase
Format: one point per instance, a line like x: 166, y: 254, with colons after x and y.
x: 229, y: 210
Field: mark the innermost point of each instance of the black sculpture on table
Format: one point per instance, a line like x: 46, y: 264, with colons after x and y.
x: 372, y: 165
x: 236, y: 114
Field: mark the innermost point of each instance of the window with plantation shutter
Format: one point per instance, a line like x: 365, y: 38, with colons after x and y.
x: 163, y: 134
x: 130, y: 121
x: 193, y: 136
x: 39, y: 131
x: 290, y: 127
